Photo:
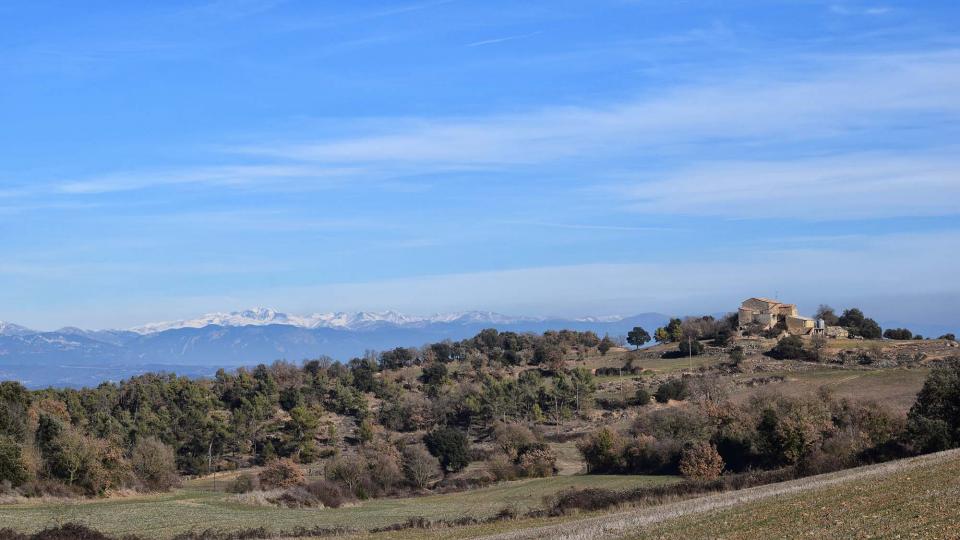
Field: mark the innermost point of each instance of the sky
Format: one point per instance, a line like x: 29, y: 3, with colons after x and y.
x: 554, y: 157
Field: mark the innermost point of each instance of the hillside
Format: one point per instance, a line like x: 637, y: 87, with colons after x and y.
x: 887, y: 500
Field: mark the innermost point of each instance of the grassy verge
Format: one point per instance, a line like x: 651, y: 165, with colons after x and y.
x: 162, y: 516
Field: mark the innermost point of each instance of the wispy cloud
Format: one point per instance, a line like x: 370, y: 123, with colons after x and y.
x: 841, y: 9
x: 587, y: 226
x: 848, y: 97
x: 845, y: 186
x: 502, y: 39
x: 237, y: 176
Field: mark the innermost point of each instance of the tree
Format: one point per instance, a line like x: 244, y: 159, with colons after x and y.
x: 828, y: 315
x: 859, y: 325
x: 450, y: 447
x: 701, y: 461
x: 933, y: 423
x: 154, y: 464
x: 737, y: 355
x: 676, y: 389
x: 671, y: 333
x: 789, y: 348
x: 605, y: 345
x: 280, y: 473
x: 12, y: 468
x: 690, y: 347
x: 420, y: 468
x: 301, y: 430
x: 898, y: 334
x: 637, y: 337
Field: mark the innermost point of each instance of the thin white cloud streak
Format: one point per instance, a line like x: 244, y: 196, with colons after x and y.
x: 835, y: 187
x: 228, y: 176
x: 502, y: 39
x: 850, y: 96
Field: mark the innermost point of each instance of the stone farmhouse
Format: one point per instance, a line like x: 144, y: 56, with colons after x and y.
x: 775, y: 314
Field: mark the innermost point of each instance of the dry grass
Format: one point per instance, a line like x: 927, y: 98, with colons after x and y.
x: 162, y: 516
x: 886, y: 500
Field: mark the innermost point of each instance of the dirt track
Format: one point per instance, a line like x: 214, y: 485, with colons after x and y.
x: 622, y: 523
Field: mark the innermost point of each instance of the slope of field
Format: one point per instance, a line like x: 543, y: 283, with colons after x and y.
x: 896, y: 499
x: 162, y: 516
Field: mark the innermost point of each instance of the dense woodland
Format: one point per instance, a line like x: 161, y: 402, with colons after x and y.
x: 409, y: 419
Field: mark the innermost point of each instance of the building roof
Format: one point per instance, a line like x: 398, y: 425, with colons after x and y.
x: 764, y: 300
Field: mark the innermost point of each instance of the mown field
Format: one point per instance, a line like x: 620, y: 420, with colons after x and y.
x: 918, y: 502
x: 162, y: 516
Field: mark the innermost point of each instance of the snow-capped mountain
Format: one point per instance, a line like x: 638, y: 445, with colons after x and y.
x: 10, y: 329
x: 341, y: 320
x: 74, y: 356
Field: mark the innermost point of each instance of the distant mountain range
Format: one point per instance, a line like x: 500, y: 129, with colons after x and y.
x: 74, y: 357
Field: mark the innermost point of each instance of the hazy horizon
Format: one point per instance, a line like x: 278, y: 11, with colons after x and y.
x: 552, y: 159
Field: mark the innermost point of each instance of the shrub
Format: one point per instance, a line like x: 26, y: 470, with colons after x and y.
x: 12, y: 468
x: 450, y: 446
x: 280, y: 473
x: 154, y: 464
x: 933, y: 422
x: 642, y: 397
x: 603, y: 451
x: 244, y: 483
x: 675, y: 389
x: 350, y: 470
x: 511, y: 437
x: 690, y: 347
x: 789, y: 348
x: 737, y: 355
x: 898, y: 333
x: 701, y: 461
x: 649, y: 455
x: 419, y: 467
x: 537, y: 461
x: 328, y: 493
x: 502, y: 468
x: 948, y: 337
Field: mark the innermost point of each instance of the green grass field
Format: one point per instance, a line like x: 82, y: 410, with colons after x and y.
x: 162, y: 516
x: 913, y: 503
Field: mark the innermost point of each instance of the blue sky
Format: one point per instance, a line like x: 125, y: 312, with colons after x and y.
x: 540, y: 157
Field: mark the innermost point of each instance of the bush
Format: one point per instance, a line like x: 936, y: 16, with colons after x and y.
x: 502, y: 468
x: 948, y: 337
x: 419, y: 467
x: 690, y: 347
x: 603, y: 451
x: 737, y: 356
x: 511, y: 437
x: 898, y: 333
x: 933, y: 422
x: 280, y: 473
x: 450, y: 446
x: 12, y: 468
x: 701, y: 461
x: 676, y: 389
x: 154, y: 465
x: 351, y: 470
x: 328, y: 493
x: 537, y: 461
x: 245, y: 483
x: 789, y: 348
x: 642, y: 397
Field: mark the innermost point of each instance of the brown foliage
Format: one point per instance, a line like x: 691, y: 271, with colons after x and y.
x: 701, y: 461
x: 280, y: 473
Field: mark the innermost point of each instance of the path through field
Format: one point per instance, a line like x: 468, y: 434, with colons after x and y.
x: 630, y: 523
